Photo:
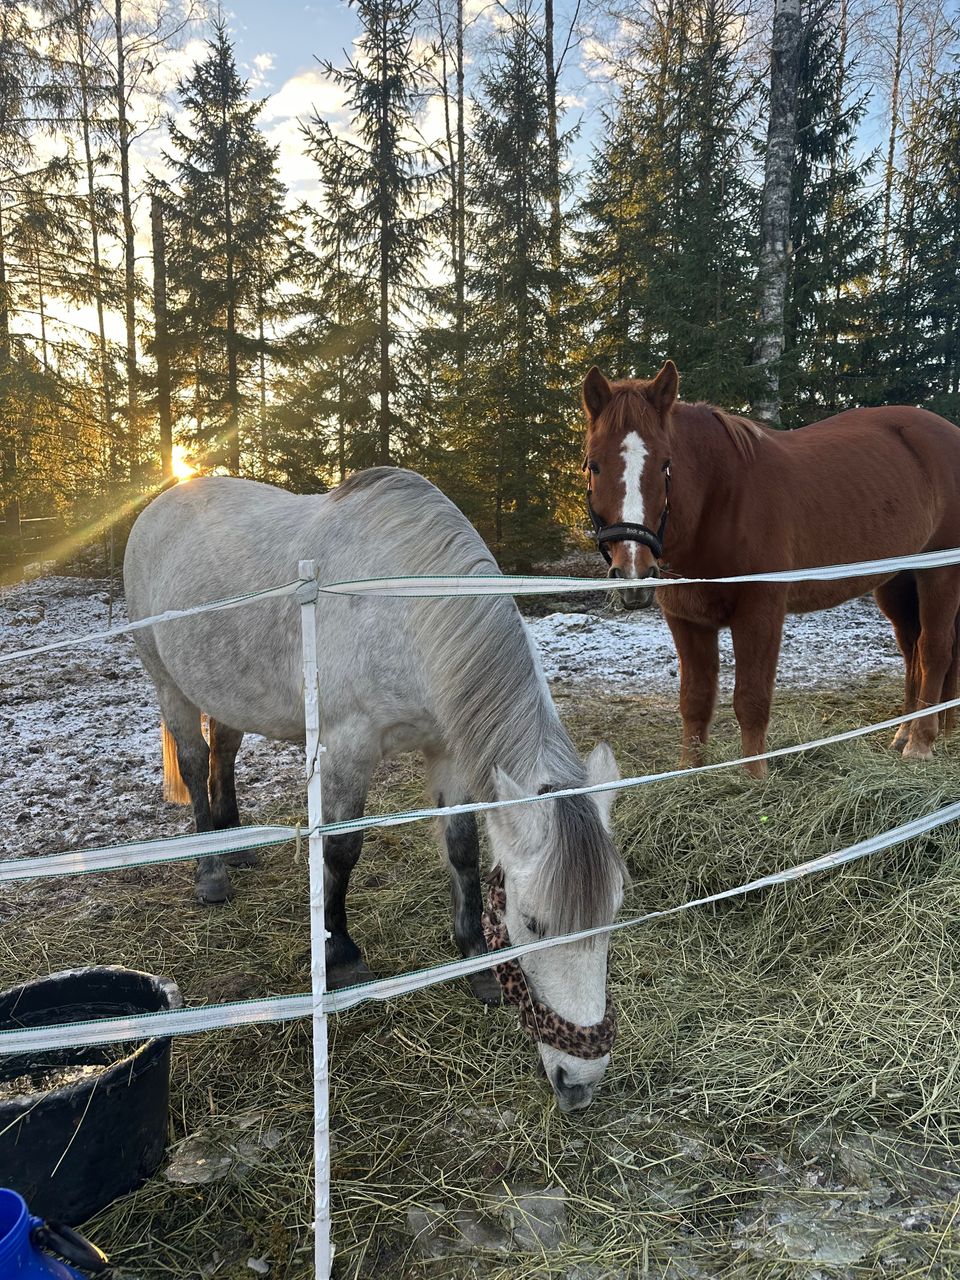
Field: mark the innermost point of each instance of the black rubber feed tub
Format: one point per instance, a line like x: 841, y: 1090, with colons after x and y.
x: 80, y: 1127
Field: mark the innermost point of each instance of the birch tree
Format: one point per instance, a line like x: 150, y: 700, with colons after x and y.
x: 779, y: 162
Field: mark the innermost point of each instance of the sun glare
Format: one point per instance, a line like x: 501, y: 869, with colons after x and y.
x: 182, y: 470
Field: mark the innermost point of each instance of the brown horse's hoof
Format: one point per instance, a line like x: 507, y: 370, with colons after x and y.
x: 242, y: 858
x: 911, y: 752
x: 485, y: 987
x: 898, y: 744
x: 213, y: 891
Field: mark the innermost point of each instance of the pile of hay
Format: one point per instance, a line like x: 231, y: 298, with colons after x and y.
x: 782, y: 1099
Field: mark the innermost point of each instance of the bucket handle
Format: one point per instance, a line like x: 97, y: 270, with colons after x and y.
x: 68, y: 1244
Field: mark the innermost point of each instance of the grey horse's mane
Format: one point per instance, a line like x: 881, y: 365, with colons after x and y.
x: 492, y: 701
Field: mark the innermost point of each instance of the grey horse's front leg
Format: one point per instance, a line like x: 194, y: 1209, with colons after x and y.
x: 345, y: 964
x: 346, y: 779
x: 462, y: 843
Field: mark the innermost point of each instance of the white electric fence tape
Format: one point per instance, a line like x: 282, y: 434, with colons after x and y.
x: 507, y: 585
x: 285, y: 1008
x: 504, y: 585
x: 181, y: 848
x: 171, y: 615
x: 141, y: 853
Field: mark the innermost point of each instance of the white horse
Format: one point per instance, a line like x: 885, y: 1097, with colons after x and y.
x: 456, y: 678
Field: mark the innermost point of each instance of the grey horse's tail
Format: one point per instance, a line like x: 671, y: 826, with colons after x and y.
x: 174, y: 788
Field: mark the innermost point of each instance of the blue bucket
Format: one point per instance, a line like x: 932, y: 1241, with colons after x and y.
x: 27, y: 1246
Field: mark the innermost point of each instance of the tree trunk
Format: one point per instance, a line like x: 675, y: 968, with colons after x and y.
x: 161, y: 339
x: 80, y: 13
x: 775, y: 208
x: 460, y: 273
x: 448, y: 136
x: 233, y: 380
x: 8, y: 460
x: 553, y: 141
x: 129, y: 255
x: 264, y: 440
x: 383, y: 437
x: 889, y: 167
x: 41, y: 307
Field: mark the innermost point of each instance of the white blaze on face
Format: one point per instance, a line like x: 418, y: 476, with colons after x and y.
x: 634, y: 454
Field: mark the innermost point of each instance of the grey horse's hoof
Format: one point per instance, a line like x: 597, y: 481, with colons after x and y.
x: 212, y: 891
x: 348, y: 975
x: 242, y: 858
x: 485, y: 987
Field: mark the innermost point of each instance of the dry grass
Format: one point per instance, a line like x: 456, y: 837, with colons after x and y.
x: 782, y: 1099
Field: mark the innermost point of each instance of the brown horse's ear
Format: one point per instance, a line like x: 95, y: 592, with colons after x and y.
x: 596, y: 393
x: 662, y: 391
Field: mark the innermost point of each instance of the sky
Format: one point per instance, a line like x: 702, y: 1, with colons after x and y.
x: 279, y: 47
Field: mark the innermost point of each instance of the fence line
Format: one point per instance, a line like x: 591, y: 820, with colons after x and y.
x: 141, y: 853
x: 182, y: 848
x: 437, y: 586
x: 285, y: 1008
x: 515, y: 585
x: 171, y: 615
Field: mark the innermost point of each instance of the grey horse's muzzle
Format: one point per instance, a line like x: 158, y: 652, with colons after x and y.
x: 637, y: 597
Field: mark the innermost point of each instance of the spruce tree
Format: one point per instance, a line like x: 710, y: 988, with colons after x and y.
x: 941, y: 242
x: 834, y: 233
x: 324, y: 421
x: 229, y: 251
x: 668, y: 236
x: 519, y: 439
x: 389, y: 177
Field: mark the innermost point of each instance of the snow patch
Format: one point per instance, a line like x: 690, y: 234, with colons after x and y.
x: 634, y: 652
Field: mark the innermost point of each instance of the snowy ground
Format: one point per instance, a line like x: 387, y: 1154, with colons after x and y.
x: 79, y: 728
x: 80, y: 762
x: 635, y: 650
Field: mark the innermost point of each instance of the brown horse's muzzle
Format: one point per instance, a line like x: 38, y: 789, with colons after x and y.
x: 636, y: 597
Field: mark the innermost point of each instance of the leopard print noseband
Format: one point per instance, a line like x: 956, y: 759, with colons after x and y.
x: 537, y: 1019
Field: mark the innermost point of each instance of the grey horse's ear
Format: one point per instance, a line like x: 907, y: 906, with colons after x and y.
x: 504, y: 787
x: 602, y: 768
x: 516, y: 825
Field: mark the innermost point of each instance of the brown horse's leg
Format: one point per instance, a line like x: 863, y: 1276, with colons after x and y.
x: 756, y: 627
x: 938, y: 592
x: 697, y: 650
x: 898, y: 600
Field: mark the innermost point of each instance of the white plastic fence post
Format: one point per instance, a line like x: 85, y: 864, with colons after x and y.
x: 307, y: 595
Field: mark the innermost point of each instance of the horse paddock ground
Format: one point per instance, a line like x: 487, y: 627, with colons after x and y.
x: 782, y: 1097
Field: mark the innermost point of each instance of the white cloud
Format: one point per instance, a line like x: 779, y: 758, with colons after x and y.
x: 303, y: 94
x: 298, y: 99
x: 258, y: 78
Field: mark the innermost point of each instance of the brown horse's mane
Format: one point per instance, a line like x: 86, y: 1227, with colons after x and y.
x: 628, y: 405
x: 742, y: 431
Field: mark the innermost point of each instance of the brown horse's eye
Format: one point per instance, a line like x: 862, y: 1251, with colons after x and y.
x: 593, y: 468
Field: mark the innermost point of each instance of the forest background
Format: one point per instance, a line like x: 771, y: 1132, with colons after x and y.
x: 767, y: 193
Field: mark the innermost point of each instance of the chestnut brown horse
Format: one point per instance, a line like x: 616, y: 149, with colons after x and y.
x: 689, y: 490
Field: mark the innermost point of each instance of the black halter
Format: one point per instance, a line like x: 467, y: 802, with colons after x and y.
x: 628, y: 532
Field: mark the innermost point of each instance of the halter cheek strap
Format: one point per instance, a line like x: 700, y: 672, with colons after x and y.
x: 627, y: 531
x: 538, y: 1019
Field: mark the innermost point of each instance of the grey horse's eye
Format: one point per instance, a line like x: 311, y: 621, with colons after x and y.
x: 534, y: 925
